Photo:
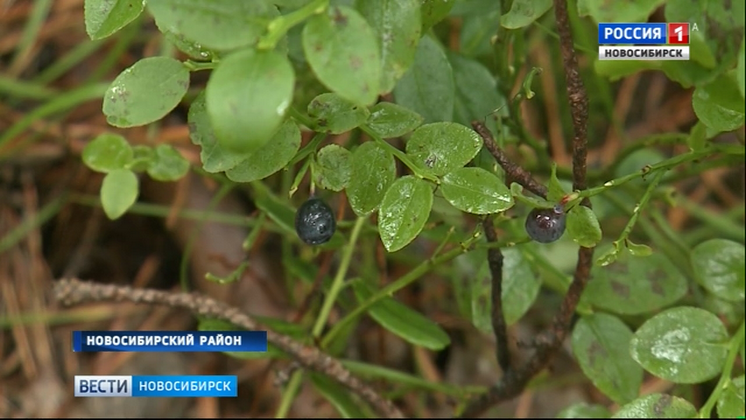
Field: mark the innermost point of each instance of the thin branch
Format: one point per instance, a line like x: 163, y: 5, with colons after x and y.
x: 499, y: 326
x: 514, y: 171
x: 513, y: 382
x: 74, y: 291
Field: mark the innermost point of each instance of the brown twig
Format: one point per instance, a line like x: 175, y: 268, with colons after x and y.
x: 514, y: 171
x: 74, y: 291
x: 499, y: 327
x: 514, y: 381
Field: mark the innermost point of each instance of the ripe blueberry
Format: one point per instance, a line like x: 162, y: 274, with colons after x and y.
x: 314, y: 222
x: 546, y: 225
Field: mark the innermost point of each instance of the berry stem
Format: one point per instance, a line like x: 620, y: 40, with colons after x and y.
x: 281, y: 25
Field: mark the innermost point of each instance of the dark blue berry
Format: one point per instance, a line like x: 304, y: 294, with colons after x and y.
x: 546, y: 225
x: 314, y: 222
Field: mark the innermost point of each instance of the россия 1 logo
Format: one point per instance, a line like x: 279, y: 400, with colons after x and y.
x: 644, y: 41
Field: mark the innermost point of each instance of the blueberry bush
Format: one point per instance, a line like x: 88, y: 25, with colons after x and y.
x: 372, y: 104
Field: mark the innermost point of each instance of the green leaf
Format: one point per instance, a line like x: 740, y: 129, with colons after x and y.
x: 719, y: 267
x: 390, y: 120
x: 478, y: 29
x: 719, y: 105
x: 555, y: 192
x: 397, y: 24
x: 145, y: 92
x: 118, y: 192
x: 628, y: 11
x: 524, y: 12
x: 636, y: 285
x: 403, y: 321
x: 215, y: 24
x: 636, y: 161
x: 342, y: 50
x: 214, y: 157
x: 293, y: 330
x: 657, y: 406
x: 433, y: 11
x: 167, y: 164
x: 476, y: 90
x: 107, y: 152
x: 697, y: 136
x: 272, y: 157
x: 373, y: 170
x: 517, y: 190
x: 142, y: 157
x: 685, y: 345
x: 638, y: 250
x: 404, y: 211
x: 741, y: 69
x: 428, y: 86
x: 600, y: 343
x: 336, y: 115
x: 584, y: 411
x: 338, y: 396
x: 731, y: 401
x: 443, y: 147
x: 247, y: 96
x: 583, y: 227
x: 520, y: 287
x: 188, y: 47
x: 105, y: 17
x: 476, y: 191
x: 332, y: 167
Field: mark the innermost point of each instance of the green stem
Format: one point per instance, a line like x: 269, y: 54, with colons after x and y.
x: 638, y: 209
x: 397, y: 285
x: 734, y: 346
x: 416, y: 170
x: 338, y: 282
x: 309, y: 148
x: 21, y: 89
x: 302, y: 118
x: 42, y: 216
x: 289, y: 395
x: 199, y: 65
x: 281, y: 25
x: 331, y: 297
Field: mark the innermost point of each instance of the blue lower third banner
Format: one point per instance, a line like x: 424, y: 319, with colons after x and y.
x: 156, y: 386
x: 169, y: 341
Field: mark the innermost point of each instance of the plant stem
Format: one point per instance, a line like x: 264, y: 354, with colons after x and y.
x: 734, y: 346
x: 281, y: 25
x: 289, y: 394
x: 397, y: 285
x: 199, y: 65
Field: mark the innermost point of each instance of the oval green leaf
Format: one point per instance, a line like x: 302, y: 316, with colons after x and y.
x: 336, y: 115
x: 635, y: 285
x: 628, y: 11
x: 397, y: 24
x: 731, y: 401
x: 657, y: 406
x: 247, y: 96
x: 600, y: 343
x: 215, y: 24
x: 524, y: 12
x: 685, y: 345
x: 332, y: 167
x: 477, y: 93
x: 142, y: 157
x: 390, y: 120
x: 145, y: 92
x: 443, y: 147
x: 272, y: 157
x: 404, y: 211
x: 584, y: 411
x: 372, y: 171
x: 433, y: 11
x: 719, y: 266
x: 107, y: 152
x: 190, y: 48
x: 105, y: 17
x: 583, y: 227
x: 719, y: 104
x: 403, y: 321
x: 118, y: 192
x: 167, y: 164
x: 476, y: 191
x: 214, y: 157
x: 342, y: 50
x: 428, y: 87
